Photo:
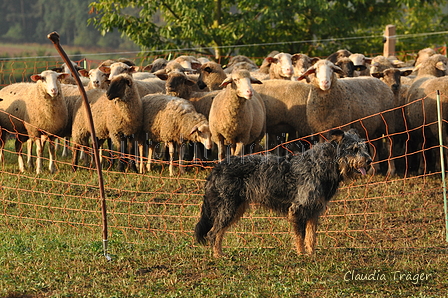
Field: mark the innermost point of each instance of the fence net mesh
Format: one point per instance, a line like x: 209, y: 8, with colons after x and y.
x: 401, y: 211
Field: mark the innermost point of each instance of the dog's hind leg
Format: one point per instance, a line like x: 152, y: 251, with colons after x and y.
x: 222, y: 224
x: 310, y: 234
x: 298, y: 227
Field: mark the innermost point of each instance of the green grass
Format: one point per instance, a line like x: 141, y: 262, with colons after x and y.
x: 390, y: 232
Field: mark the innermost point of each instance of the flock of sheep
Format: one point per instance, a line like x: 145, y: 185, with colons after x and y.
x: 195, y: 100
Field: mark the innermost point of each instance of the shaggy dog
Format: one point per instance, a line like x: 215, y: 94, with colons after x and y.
x: 297, y: 187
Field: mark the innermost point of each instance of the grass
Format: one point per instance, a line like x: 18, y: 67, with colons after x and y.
x: 379, y: 238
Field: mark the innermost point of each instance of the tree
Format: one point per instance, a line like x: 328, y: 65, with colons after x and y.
x: 256, y: 27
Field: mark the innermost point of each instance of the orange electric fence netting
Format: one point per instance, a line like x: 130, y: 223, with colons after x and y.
x: 402, y: 211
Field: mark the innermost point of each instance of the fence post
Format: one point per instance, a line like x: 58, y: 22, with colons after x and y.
x: 54, y: 37
x: 389, y: 43
x: 442, y: 161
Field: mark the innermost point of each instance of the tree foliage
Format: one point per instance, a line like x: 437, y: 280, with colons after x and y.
x: 32, y: 20
x: 256, y: 27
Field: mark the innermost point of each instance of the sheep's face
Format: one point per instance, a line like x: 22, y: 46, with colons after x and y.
x: 285, y: 64
x: 178, y: 84
x: 118, y: 86
x: 203, y: 135
x: 49, y: 80
x: 324, y: 74
x: 97, y: 77
x: 241, y: 82
x: 118, y: 68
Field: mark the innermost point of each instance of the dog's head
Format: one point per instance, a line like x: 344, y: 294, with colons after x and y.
x: 352, y: 153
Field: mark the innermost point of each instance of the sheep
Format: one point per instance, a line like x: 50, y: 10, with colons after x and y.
x: 362, y: 63
x: 338, y: 55
x: 423, y: 112
x: 281, y: 67
x: 117, y: 114
x: 242, y: 61
x: 70, y: 79
x: 180, y: 85
x: 392, y: 78
x: 423, y: 54
x: 97, y: 79
x: 266, y: 64
x: 334, y: 102
x: 173, y: 121
x: 146, y: 86
x: 188, y: 62
x: 211, y: 75
x: 301, y: 62
x: 157, y: 64
x: 381, y: 63
x: 38, y: 111
x: 285, y: 103
x: 237, y: 115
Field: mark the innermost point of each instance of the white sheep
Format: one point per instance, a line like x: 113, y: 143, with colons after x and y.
x: 337, y: 102
x: 188, y: 62
x: 35, y: 110
x: 281, y: 66
x: 173, y: 121
x: 117, y: 114
x: 237, y: 115
x: 97, y: 79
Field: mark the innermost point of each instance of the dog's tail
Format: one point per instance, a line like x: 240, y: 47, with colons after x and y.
x: 205, y: 223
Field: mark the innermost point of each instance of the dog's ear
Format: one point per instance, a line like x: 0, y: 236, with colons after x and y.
x: 336, y: 135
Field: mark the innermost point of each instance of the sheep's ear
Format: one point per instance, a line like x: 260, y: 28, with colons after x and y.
x: 368, y: 60
x: 338, y: 70
x: 406, y: 72
x: 314, y: 60
x: 377, y: 75
x: 36, y: 77
x: 441, y: 66
x: 255, y: 81
x: 307, y: 73
x: 360, y: 67
x: 133, y: 69
x: 161, y: 74
x: 105, y: 69
x: 147, y: 68
x: 336, y: 135
x: 295, y: 57
x: 83, y: 72
x: 63, y: 75
x: 226, y: 82
x: 195, y: 129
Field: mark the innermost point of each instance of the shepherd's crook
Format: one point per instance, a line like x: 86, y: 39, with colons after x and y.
x: 54, y: 37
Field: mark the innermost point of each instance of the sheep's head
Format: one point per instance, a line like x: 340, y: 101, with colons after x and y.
x: 241, y: 82
x: 202, y: 134
x: 392, y: 77
x: 118, y: 68
x: 49, y: 80
x: 97, y: 77
x: 325, y: 72
x: 118, y: 86
x: 284, y: 65
x: 208, y: 72
x: 178, y: 84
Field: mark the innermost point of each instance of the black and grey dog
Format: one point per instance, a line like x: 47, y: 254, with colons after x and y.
x: 297, y: 187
